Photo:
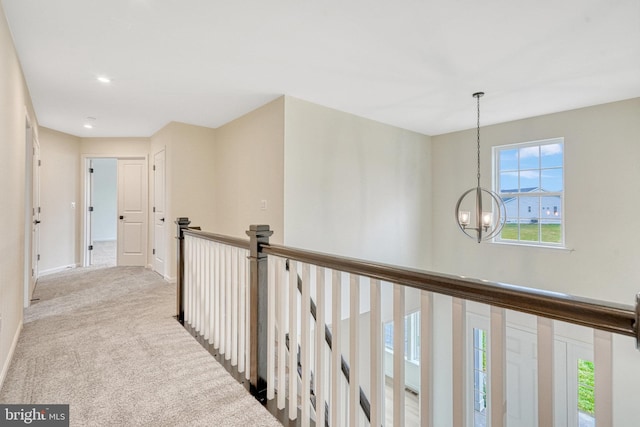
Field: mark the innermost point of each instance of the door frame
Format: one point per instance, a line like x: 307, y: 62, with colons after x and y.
x: 31, y: 211
x: 85, y: 192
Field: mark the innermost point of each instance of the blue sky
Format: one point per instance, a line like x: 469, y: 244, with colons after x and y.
x: 532, y: 166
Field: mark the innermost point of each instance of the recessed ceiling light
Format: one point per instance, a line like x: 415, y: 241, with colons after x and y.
x: 88, y: 126
x: 103, y: 79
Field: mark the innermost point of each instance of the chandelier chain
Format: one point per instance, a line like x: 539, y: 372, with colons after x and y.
x: 478, y: 133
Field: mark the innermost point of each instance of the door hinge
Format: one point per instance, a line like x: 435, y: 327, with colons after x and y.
x: 39, y: 210
x: 33, y: 273
x: 90, y: 170
x: 154, y: 252
x: 39, y: 162
x: 90, y: 247
x: 154, y: 208
x: 154, y: 167
x: 90, y: 208
x: 38, y: 257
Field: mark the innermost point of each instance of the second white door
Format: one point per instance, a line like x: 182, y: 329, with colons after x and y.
x: 159, y: 214
x: 132, y: 212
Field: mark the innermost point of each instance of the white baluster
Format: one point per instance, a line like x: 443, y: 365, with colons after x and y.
x: 242, y: 324
x: 234, y: 306
x: 211, y: 285
x: 354, y: 350
x: 293, y: 340
x: 271, y: 327
x: 426, y: 359
x: 216, y: 296
x: 603, y: 372
x: 223, y: 298
x: 247, y: 314
x: 320, y: 347
x: 545, y: 350
x: 398, y: 355
x: 282, y: 332
x: 228, y: 306
x: 305, y: 343
x: 459, y: 348
x: 199, y: 286
x: 185, y: 279
x: 376, y: 364
x: 336, y: 362
x: 205, y: 279
x: 497, y: 368
x: 189, y: 279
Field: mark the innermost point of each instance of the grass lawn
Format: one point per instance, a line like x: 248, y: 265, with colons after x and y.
x: 586, y: 397
x: 551, y: 233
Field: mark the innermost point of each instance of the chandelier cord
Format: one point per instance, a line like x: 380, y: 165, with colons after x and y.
x: 478, y: 133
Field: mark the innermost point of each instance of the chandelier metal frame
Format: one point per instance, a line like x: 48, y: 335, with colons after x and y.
x: 487, y: 225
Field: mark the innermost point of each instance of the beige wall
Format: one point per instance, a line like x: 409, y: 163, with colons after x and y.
x: 602, y: 175
x: 15, y: 104
x: 602, y: 172
x: 249, y: 169
x: 356, y: 187
x: 114, y: 147
x: 60, y: 200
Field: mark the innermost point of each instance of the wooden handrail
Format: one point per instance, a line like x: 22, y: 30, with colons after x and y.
x: 227, y: 240
x: 606, y: 316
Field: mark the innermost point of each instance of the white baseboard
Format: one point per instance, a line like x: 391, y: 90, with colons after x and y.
x: 56, y: 269
x: 12, y: 349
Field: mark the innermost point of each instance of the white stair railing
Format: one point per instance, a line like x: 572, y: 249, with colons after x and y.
x: 326, y: 339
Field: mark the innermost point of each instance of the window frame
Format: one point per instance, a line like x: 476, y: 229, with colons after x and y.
x: 517, y: 195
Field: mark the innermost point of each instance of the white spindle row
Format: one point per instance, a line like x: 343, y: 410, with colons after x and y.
x: 216, y: 280
x: 216, y: 301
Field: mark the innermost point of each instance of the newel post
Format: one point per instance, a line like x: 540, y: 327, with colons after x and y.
x: 183, y: 224
x: 258, y: 283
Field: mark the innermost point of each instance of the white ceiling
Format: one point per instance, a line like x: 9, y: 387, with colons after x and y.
x: 408, y: 63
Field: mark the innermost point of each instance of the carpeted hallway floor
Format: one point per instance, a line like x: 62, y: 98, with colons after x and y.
x: 104, y: 341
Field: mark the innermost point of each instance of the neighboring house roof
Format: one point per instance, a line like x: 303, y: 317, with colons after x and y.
x: 522, y: 190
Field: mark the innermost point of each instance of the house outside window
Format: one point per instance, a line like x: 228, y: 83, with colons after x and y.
x: 529, y: 177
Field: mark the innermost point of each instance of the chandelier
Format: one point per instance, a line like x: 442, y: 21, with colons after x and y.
x: 480, y: 213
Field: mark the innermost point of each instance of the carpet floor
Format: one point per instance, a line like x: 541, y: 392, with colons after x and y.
x: 105, y: 342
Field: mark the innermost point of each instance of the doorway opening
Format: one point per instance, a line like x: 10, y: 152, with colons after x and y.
x: 115, y: 211
x: 103, y: 210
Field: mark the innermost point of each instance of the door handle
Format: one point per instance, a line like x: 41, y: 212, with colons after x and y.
x: 121, y: 216
x: 37, y: 221
x: 162, y: 219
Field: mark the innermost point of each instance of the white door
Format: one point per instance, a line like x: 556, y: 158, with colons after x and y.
x: 31, y: 213
x: 159, y: 218
x: 35, y: 231
x: 522, y: 378
x: 132, y: 212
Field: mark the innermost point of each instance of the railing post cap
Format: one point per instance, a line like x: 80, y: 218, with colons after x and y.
x: 259, y: 227
x: 259, y: 230
x: 183, y: 220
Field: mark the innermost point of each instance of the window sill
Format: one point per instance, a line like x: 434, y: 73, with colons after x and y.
x: 531, y: 245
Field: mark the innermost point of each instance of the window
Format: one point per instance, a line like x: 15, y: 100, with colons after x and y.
x: 411, y: 337
x: 529, y: 177
x: 479, y: 377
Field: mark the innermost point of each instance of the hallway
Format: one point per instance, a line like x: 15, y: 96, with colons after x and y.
x: 105, y: 342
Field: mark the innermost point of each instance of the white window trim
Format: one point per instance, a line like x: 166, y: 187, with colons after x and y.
x: 495, y: 186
